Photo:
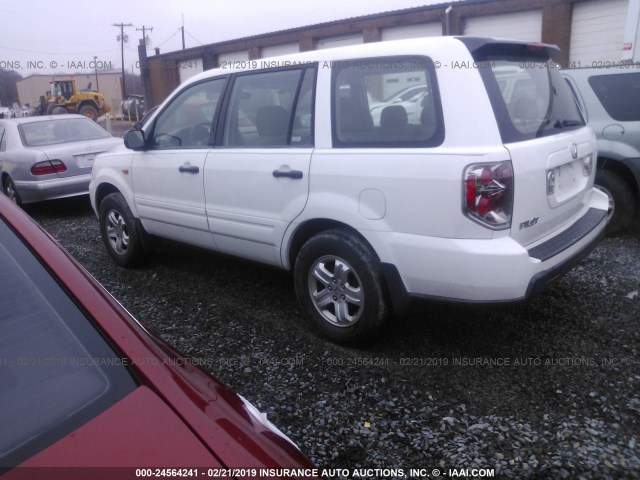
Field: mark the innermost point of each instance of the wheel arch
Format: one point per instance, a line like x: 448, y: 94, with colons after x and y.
x: 623, y: 171
x: 102, y: 191
x: 87, y: 101
x: 391, y: 278
x: 310, y: 228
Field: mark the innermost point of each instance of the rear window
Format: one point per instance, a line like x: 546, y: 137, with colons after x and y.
x: 528, y: 95
x: 56, y: 370
x: 386, y: 102
x: 619, y: 95
x: 60, y: 130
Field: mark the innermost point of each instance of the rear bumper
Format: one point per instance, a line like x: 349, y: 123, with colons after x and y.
x: 31, y: 191
x: 542, y: 279
x: 485, y: 271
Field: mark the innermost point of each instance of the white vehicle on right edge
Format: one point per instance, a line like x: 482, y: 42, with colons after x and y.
x: 486, y: 195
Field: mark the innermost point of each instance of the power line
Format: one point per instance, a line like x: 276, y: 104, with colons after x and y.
x: 194, y: 38
x: 176, y: 32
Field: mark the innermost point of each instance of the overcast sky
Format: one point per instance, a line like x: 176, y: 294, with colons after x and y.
x: 63, y: 36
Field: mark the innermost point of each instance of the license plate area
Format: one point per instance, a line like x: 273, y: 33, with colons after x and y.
x: 85, y: 160
x: 565, y: 181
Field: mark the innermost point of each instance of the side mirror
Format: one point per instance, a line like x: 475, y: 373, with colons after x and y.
x: 134, y: 140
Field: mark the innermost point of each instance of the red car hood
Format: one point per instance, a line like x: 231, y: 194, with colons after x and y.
x: 140, y: 431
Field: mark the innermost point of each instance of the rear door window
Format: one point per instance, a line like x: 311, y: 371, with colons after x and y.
x: 619, y: 95
x: 386, y: 102
x: 529, y: 97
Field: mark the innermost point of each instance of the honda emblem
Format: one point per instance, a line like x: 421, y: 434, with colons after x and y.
x: 573, y: 148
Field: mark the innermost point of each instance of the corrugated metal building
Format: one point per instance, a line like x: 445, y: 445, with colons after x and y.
x: 589, y: 32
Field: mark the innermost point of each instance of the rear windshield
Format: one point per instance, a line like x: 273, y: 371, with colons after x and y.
x: 528, y: 95
x: 619, y: 95
x: 56, y: 370
x: 60, y: 130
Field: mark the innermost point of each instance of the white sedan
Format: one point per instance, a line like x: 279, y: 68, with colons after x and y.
x: 43, y: 158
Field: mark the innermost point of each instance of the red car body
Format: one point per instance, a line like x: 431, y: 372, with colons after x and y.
x: 178, y: 417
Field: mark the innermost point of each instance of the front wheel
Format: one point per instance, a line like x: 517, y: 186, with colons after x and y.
x: 89, y: 111
x: 120, y: 232
x: 9, y: 189
x: 340, y: 287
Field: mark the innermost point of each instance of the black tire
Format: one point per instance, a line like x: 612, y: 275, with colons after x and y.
x: 9, y: 189
x: 120, y: 231
x: 56, y: 110
x: 89, y: 111
x: 622, y: 201
x: 349, y: 304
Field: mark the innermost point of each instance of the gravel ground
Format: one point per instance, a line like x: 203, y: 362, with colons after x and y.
x: 544, y: 389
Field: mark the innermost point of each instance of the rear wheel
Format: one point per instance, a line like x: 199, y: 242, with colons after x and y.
x: 340, y: 287
x: 89, y: 111
x: 622, y: 203
x: 120, y: 232
x: 9, y: 189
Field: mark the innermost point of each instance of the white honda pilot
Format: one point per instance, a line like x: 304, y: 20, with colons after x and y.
x: 477, y: 187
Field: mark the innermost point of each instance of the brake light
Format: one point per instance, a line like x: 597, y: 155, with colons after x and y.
x: 47, y: 167
x: 488, y: 194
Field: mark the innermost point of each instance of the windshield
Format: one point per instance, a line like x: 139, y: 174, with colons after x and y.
x: 528, y: 95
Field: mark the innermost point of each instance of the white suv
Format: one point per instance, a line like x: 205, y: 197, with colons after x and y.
x: 485, y: 195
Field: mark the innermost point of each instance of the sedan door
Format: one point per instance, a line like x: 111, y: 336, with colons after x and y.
x: 168, y: 177
x: 256, y: 180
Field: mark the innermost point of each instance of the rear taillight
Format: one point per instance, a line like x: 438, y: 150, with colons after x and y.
x: 47, y: 167
x: 488, y: 194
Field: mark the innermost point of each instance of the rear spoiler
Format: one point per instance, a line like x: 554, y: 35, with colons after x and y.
x: 482, y: 47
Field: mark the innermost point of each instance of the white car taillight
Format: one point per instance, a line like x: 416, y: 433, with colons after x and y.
x: 488, y: 194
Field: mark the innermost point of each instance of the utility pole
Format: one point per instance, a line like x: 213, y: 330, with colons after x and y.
x: 122, y: 40
x: 182, y: 28
x: 144, y: 32
x: 144, y: 67
x: 95, y: 65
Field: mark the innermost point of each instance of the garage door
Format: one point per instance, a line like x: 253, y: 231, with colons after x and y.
x: 189, y: 68
x: 412, y: 31
x: 277, y: 50
x: 520, y: 25
x: 332, y: 42
x: 233, y: 59
x: 597, y: 32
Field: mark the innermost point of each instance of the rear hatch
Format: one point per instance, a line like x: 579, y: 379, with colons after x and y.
x: 552, y: 151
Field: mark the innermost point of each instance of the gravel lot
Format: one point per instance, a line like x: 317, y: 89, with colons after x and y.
x: 544, y: 389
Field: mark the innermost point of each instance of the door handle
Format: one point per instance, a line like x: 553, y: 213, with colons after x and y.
x: 295, y: 174
x: 186, y: 168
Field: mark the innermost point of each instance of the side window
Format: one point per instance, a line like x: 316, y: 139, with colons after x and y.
x: 384, y: 102
x: 187, y: 121
x: 619, y: 95
x: 264, y: 110
x: 3, y: 142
